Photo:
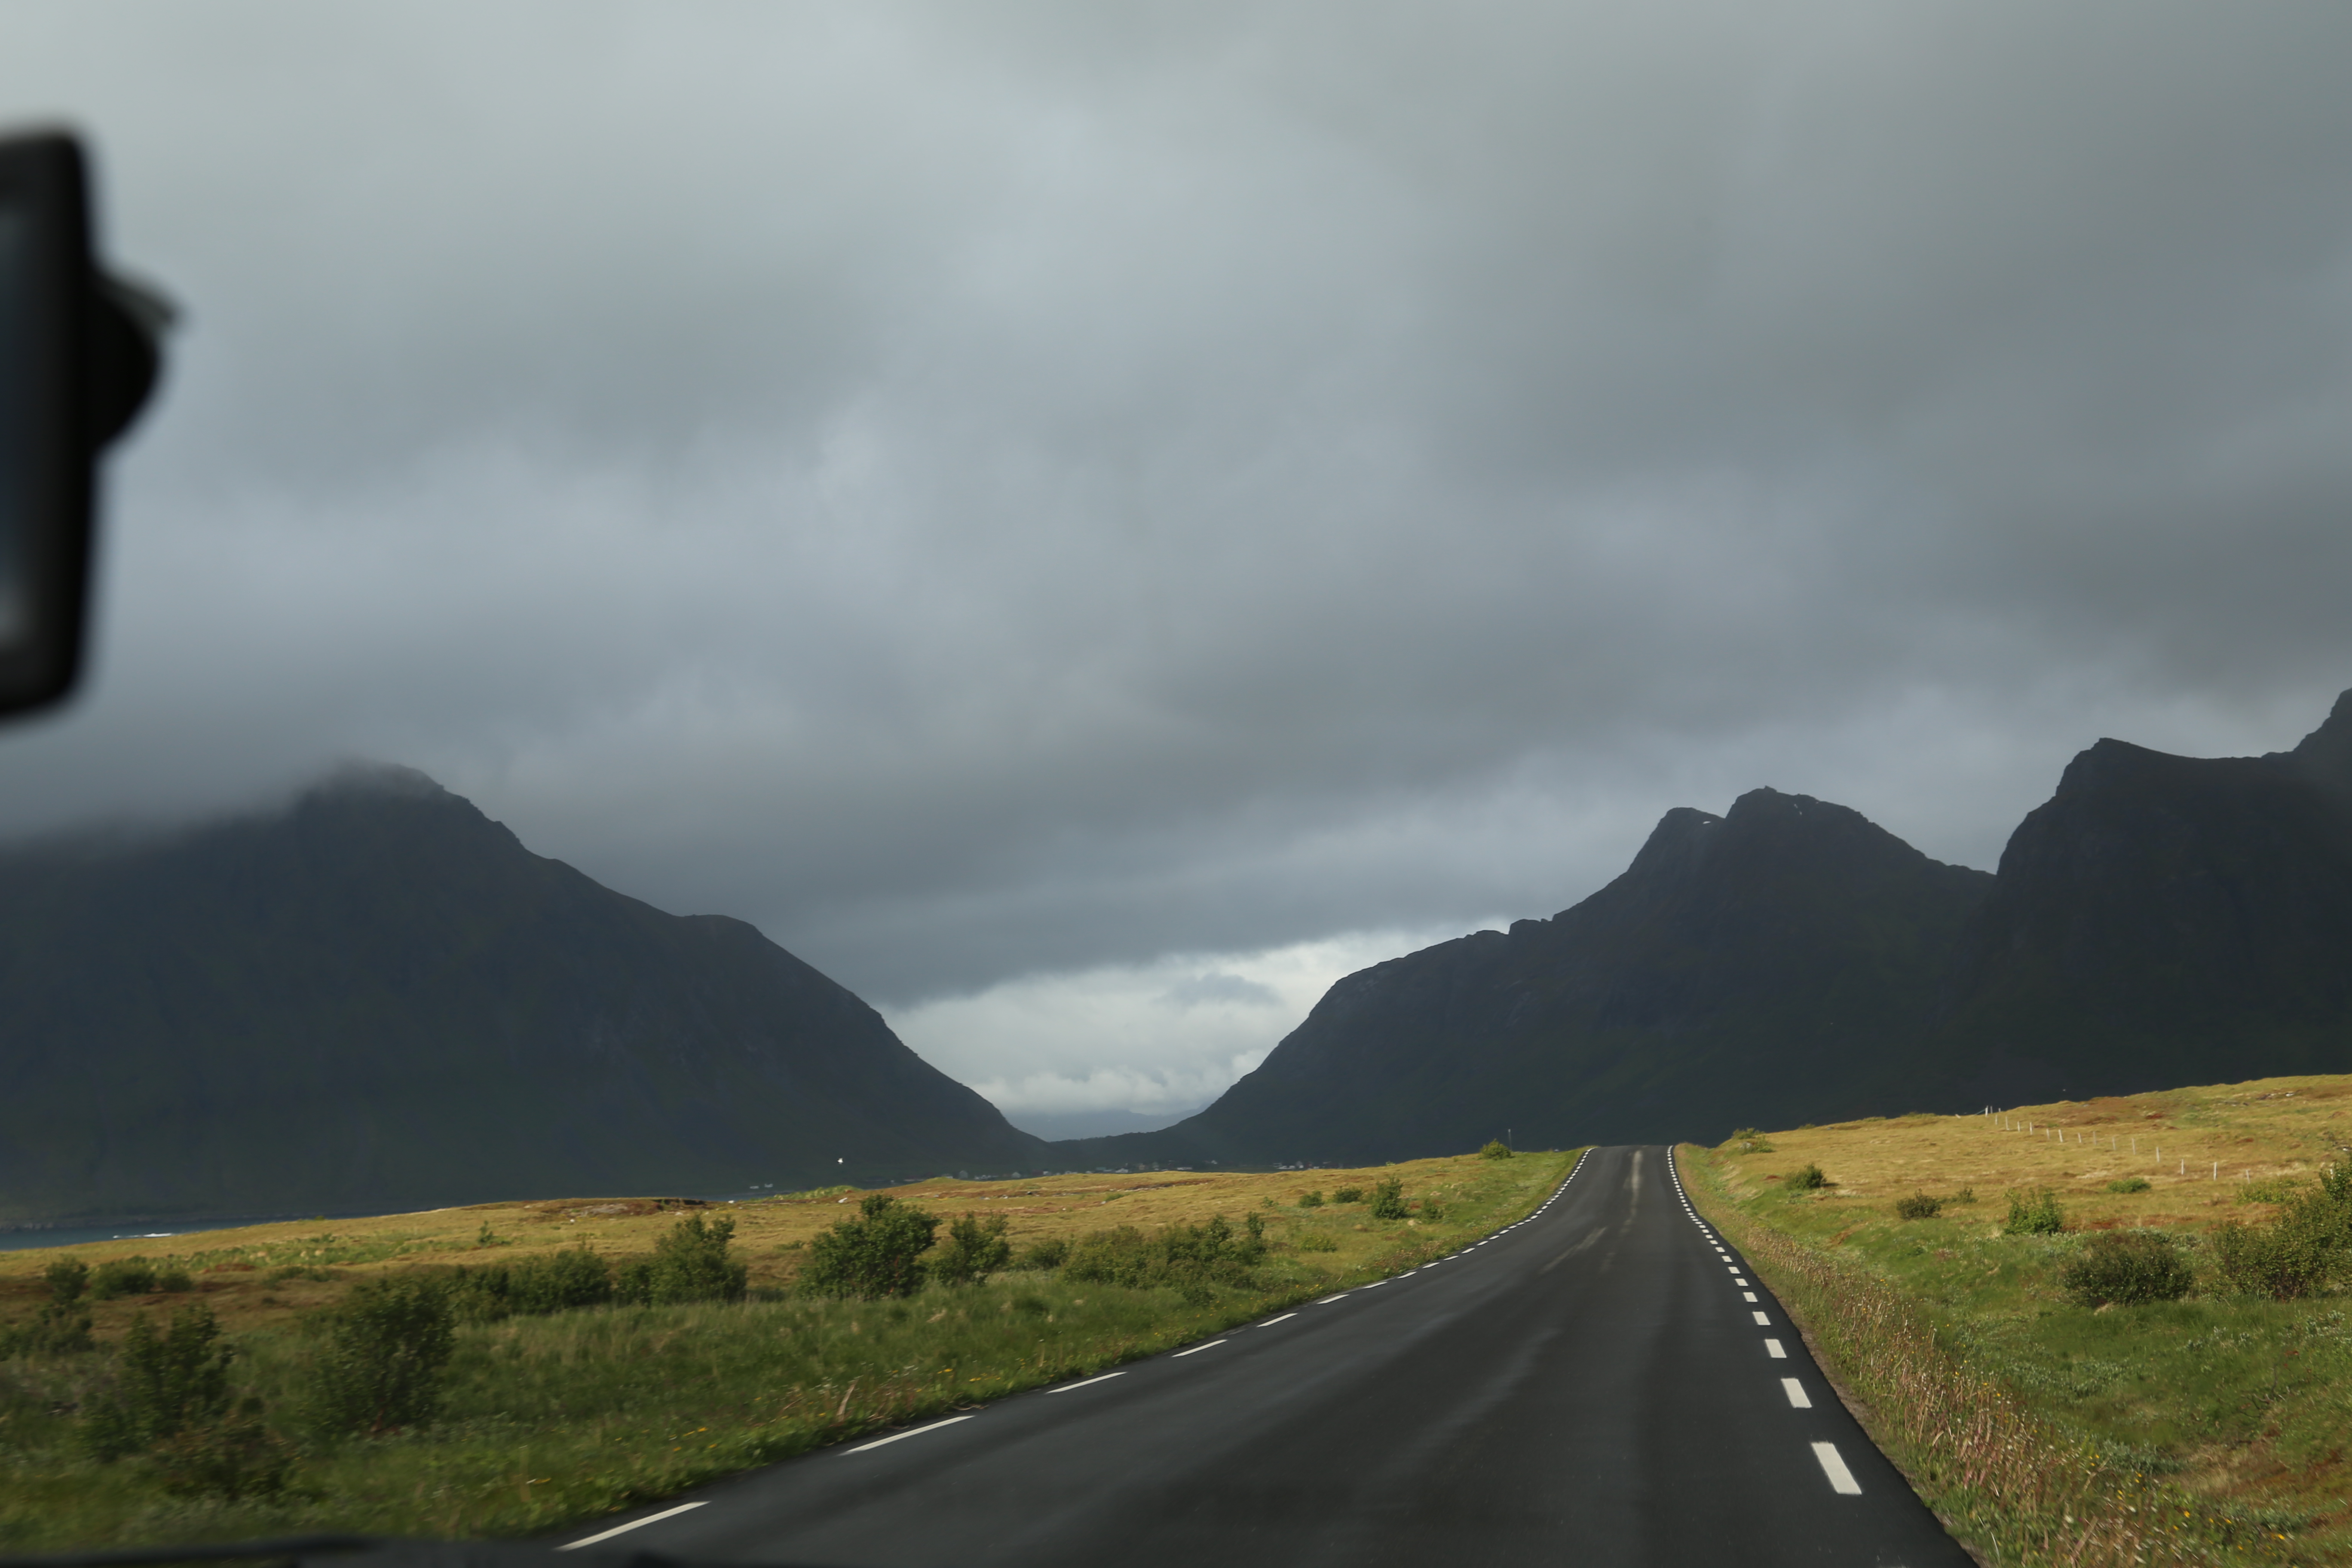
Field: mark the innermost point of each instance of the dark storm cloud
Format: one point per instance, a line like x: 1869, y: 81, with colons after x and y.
x: 993, y: 489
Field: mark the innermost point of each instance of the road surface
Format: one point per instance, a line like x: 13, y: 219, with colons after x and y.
x: 1602, y: 1384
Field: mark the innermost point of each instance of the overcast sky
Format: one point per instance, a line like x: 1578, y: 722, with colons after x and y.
x: 1087, y: 520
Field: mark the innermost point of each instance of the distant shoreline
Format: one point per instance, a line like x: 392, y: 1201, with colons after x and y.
x: 26, y: 1235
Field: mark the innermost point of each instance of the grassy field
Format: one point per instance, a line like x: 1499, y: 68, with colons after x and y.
x: 566, y: 1418
x: 2208, y: 1429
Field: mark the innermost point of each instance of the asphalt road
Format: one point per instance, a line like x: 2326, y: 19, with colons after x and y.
x: 1601, y: 1384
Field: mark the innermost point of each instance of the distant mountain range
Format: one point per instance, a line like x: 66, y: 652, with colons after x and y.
x: 2160, y: 920
x: 376, y: 998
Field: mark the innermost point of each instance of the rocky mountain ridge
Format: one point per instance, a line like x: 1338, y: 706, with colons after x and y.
x: 377, y: 999
x: 2161, y: 919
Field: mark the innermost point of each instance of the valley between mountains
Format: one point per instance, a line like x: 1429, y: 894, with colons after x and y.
x: 1888, y: 1315
x: 376, y: 998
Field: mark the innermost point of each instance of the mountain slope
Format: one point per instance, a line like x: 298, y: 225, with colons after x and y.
x: 2167, y: 920
x: 1766, y: 965
x: 378, y: 998
x: 2161, y: 919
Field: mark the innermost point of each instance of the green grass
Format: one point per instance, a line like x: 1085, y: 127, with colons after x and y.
x: 2211, y: 1429
x: 563, y: 1419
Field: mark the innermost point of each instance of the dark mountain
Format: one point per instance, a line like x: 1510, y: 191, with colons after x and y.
x: 2166, y: 920
x: 1768, y: 966
x: 2160, y: 920
x: 378, y: 999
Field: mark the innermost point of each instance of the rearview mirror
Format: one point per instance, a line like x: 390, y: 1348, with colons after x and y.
x: 77, y: 358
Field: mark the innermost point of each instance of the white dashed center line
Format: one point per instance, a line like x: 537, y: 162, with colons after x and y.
x: 1841, y: 1480
x: 1773, y: 1348
x: 1747, y: 1296
x: 1761, y: 1320
x: 654, y: 1518
x: 1066, y: 1388
x: 1796, y: 1393
x: 915, y: 1432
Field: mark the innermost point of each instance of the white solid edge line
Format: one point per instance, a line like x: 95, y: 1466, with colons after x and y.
x: 1196, y: 1349
x: 625, y: 1529
x: 1841, y: 1480
x: 1796, y: 1393
x: 1066, y: 1388
x: 1773, y: 1348
x: 913, y: 1431
x: 1761, y: 1320
x: 1284, y: 1319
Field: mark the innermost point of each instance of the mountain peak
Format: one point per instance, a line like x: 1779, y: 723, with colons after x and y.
x: 2327, y: 753
x: 403, y: 1006
x: 363, y: 776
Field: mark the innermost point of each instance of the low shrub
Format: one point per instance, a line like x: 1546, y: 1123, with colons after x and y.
x: 532, y: 1286
x: 67, y: 1278
x: 2127, y: 1267
x: 1431, y: 1209
x: 1918, y: 1206
x: 316, y: 1273
x: 1310, y: 1200
x: 2034, y: 1211
x: 61, y: 1328
x: 1315, y: 1241
x: 1050, y: 1253
x: 2257, y: 1260
x: 1747, y: 1141
x: 1189, y: 1256
x: 1388, y: 1199
x: 166, y: 1383
x: 692, y: 1263
x: 875, y: 1252
x: 1119, y: 1256
x: 387, y: 1348
x: 54, y: 1330
x: 234, y: 1458
x: 1807, y: 1178
x: 974, y: 1249
x: 1347, y: 1195
x: 2128, y: 1184
x: 136, y: 1277
x: 2278, y: 1190
x: 1965, y: 1196
x: 2297, y: 1254
x: 1496, y: 1149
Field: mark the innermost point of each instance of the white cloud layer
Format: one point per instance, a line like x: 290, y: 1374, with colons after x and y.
x: 1163, y: 1037
x: 993, y: 490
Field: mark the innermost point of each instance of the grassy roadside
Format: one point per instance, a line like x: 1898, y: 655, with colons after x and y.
x: 567, y: 1418
x: 2207, y: 1430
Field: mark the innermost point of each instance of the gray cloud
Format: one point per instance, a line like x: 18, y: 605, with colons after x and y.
x: 1217, y: 986
x: 992, y: 490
